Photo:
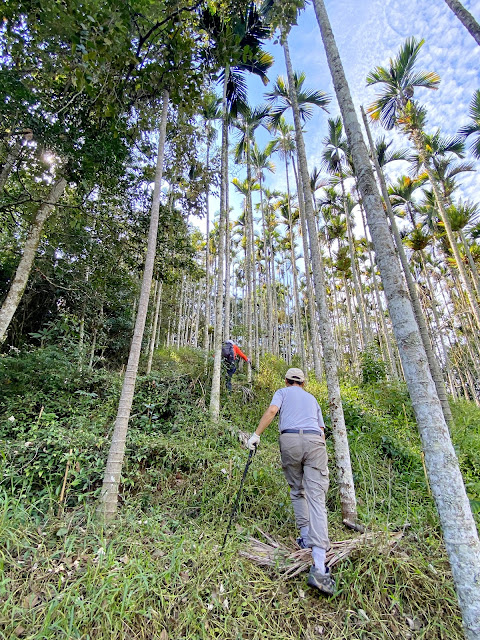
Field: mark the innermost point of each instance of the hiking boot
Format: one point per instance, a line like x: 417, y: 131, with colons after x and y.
x: 321, y: 581
x: 302, y: 544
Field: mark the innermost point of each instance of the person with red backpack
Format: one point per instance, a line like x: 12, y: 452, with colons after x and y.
x: 230, y: 353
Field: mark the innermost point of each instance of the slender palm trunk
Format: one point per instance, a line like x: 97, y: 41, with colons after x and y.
x: 24, y: 268
x: 268, y: 284
x: 159, y: 320
x: 207, y: 267
x: 458, y: 525
x: 111, y: 479
x: 217, y: 361
x: 439, y: 332
x: 471, y: 262
x: 181, y: 314
x: 226, y: 323
x: 465, y: 18
x: 351, y: 335
x: 293, y: 260
x: 366, y: 336
x: 152, y: 316
x: 154, y: 328
x: 252, y: 315
x: 317, y: 362
x: 417, y: 309
x: 342, y: 452
x: 383, y: 324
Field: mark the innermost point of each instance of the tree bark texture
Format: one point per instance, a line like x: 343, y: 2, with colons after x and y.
x: 111, y: 480
x: 465, y: 18
x: 458, y: 526
x: 24, y: 268
x: 342, y: 453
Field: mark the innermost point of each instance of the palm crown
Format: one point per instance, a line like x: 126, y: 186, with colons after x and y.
x: 307, y: 99
x: 399, y: 80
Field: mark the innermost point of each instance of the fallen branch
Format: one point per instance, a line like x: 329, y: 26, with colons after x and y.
x: 290, y: 563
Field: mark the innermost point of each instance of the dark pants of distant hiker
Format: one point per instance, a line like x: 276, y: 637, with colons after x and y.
x: 305, y: 465
x: 230, y: 369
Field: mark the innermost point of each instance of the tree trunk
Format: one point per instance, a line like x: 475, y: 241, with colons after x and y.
x: 226, y: 326
x: 365, y: 334
x: 471, y: 262
x: 317, y: 363
x: 342, y: 452
x: 180, y: 312
x: 207, y: 268
x: 268, y: 284
x: 154, y: 329
x: 217, y: 361
x: 458, y: 525
x: 250, y: 273
x: 24, y: 268
x: 293, y: 260
x: 465, y: 18
x: 383, y: 324
x: 417, y: 309
x: 152, y: 317
x: 111, y: 480
x: 438, y: 325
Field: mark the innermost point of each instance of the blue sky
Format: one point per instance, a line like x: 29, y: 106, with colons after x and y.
x: 368, y: 33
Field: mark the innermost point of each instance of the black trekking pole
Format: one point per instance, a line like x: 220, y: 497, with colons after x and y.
x: 237, y: 499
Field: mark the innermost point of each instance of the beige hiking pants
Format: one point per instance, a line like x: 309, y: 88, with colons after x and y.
x: 305, y: 465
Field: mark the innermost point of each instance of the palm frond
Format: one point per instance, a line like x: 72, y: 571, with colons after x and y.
x: 315, y: 98
x: 426, y: 79
x: 407, y: 57
x: 276, y: 116
x: 236, y: 92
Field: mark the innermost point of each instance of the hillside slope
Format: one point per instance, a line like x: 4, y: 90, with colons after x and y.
x: 156, y: 572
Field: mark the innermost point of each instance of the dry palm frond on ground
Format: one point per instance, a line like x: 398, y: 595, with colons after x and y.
x: 290, y: 563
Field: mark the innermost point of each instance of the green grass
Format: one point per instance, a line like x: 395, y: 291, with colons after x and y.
x: 157, y: 569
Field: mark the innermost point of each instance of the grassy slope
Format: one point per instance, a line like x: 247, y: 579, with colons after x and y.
x: 157, y: 569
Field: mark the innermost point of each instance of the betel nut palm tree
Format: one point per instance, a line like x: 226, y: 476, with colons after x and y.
x: 247, y: 123
x: 458, y: 526
x: 235, y: 36
x: 261, y: 160
x: 342, y: 452
x: 210, y: 111
x: 395, y: 106
x: 111, y: 479
x: 284, y: 135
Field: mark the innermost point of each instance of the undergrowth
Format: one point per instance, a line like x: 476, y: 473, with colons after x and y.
x: 156, y: 572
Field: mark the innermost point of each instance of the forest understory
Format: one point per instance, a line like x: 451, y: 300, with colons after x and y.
x: 156, y: 571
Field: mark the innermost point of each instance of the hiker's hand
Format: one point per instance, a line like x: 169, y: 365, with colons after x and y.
x: 253, y: 442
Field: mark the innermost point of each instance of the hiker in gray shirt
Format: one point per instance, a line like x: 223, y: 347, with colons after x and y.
x: 305, y: 465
